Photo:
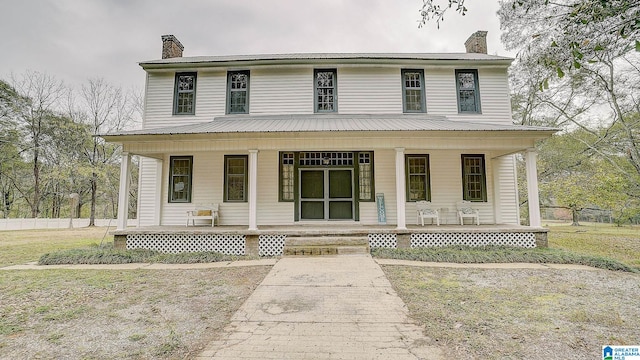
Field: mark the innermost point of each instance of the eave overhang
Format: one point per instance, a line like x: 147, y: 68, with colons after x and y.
x: 319, y: 59
x: 316, y: 125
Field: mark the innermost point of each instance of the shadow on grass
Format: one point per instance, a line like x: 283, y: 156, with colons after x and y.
x: 107, y: 254
x: 499, y: 254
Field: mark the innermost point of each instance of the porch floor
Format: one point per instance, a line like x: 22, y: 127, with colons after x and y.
x: 328, y: 229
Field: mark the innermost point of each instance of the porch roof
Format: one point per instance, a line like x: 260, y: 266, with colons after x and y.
x: 328, y: 123
x: 323, y: 58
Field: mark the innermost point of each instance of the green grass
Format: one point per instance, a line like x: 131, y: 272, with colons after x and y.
x: 19, y: 247
x: 598, y: 245
x: 497, y: 254
x: 109, y: 255
x: 610, y: 241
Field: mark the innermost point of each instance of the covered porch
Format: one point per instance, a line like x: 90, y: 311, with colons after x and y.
x: 286, y: 161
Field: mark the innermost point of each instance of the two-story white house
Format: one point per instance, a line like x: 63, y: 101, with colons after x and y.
x: 350, y: 140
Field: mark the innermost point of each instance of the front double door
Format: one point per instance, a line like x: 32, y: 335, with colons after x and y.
x: 326, y: 194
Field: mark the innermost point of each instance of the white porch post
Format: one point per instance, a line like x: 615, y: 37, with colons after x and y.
x: 253, y: 189
x: 123, y: 194
x: 531, y: 157
x: 400, y: 189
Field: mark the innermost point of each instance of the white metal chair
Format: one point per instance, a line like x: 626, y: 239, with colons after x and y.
x: 203, y: 212
x: 424, y: 211
x: 465, y: 211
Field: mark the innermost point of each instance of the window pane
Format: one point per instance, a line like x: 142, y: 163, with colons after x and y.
x: 417, y: 169
x: 185, y: 94
x: 180, y: 179
x: 365, y: 176
x: 474, y: 188
x: 185, y: 82
x: 239, y: 81
x: 413, y: 91
x: 235, y: 166
x: 413, y: 100
x: 238, y: 102
x: 467, y: 91
x: 236, y: 178
x: 238, y: 93
x: 235, y: 187
x: 325, y: 91
x: 286, y: 176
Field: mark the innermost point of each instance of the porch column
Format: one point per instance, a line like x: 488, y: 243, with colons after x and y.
x: 531, y: 157
x: 400, y: 189
x: 253, y: 189
x: 123, y: 193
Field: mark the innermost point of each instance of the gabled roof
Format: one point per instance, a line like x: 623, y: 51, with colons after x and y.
x: 308, y: 58
x: 327, y: 123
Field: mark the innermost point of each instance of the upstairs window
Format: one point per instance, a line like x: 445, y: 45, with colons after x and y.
x: 238, y: 92
x: 413, y: 91
x: 180, y: 170
x: 325, y: 89
x: 184, y: 97
x: 474, y: 183
x: 468, y: 91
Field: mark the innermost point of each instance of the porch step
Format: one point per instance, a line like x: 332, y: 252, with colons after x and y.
x: 326, y: 245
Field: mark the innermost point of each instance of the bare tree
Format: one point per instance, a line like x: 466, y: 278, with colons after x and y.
x: 41, y: 96
x: 104, y: 108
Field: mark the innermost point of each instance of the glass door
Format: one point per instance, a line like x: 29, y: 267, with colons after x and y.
x: 326, y: 194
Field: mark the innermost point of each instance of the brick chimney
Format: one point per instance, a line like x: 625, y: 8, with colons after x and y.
x: 477, y: 43
x: 171, y: 47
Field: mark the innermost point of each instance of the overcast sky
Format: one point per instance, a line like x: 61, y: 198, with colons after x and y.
x: 75, y: 40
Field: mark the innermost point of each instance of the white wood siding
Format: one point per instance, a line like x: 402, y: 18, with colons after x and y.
x: 445, y: 177
x: 159, y: 101
x: 210, y: 99
x: 494, y: 96
x: 148, y: 189
x: 440, y: 88
x: 506, y: 190
x: 360, y: 90
x: 281, y: 91
x: 270, y: 210
x: 369, y: 91
x: 445, y: 168
x: 385, y: 182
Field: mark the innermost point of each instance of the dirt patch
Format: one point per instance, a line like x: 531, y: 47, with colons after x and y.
x: 136, y: 314
x: 521, y: 314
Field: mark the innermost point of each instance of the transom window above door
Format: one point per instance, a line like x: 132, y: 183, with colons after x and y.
x: 326, y: 158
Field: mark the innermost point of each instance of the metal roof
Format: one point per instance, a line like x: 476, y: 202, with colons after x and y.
x: 328, y: 123
x: 324, y: 57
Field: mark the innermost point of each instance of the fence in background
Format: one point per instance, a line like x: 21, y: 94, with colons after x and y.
x: 43, y: 223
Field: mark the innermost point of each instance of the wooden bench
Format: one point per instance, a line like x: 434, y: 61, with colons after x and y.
x: 203, y: 212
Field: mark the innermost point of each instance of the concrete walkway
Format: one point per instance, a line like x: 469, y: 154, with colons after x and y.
x: 273, y: 261
x: 339, y: 307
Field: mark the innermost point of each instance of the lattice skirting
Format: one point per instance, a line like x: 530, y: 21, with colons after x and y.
x: 177, y: 243
x: 271, y: 245
x: 383, y: 241
x: 526, y: 240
